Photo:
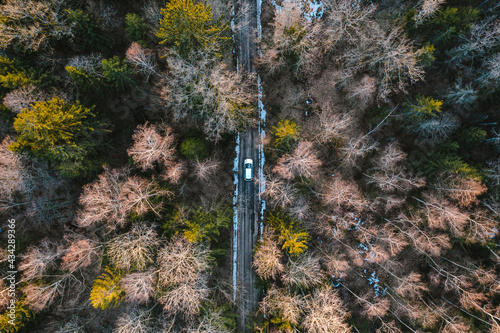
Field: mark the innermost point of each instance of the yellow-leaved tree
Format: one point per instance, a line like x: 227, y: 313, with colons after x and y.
x: 285, y: 133
x: 106, y: 290
x: 188, y: 26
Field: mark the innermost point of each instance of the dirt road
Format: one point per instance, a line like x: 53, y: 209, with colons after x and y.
x: 248, y: 224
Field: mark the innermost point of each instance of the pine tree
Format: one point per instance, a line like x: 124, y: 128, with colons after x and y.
x: 135, y: 26
x: 205, y: 226
x: 106, y: 290
x: 87, y: 33
x: 118, y: 73
x: 59, y: 132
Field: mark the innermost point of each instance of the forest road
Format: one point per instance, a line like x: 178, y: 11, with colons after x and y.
x: 248, y: 224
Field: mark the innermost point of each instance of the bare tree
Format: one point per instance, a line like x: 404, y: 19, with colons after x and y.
x: 281, y: 304
x: 141, y: 194
x: 490, y: 70
x: 333, y: 125
x: 462, y: 190
x: 14, y: 176
x: 182, y: 276
x: 203, y: 170
x: 38, y: 259
x: 294, y: 36
x: 20, y: 99
x: 436, y: 129
x: 89, y: 63
x: 303, y: 272
x: 142, y: 60
x: 100, y: 201
x: 80, y: 253
x: 390, y: 175
x: 389, y: 54
x: 278, y: 192
x: 185, y: 298
x: 152, y: 144
x: 325, y: 313
x: 425, y: 241
x: 114, y: 195
x: 363, y: 92
x: 152, y: 13
x: 483, y: 36
x: 134, y: 249
x: 219, y: 96
x: 344, y: 20
x: 427, y: 10
x: 137, y: 320
x: 340, y: 194
x: 32, y: 23
x: 139, y: 286
x: 174, y: 172
x: 302, y: 162
x: 268, y: 257
x: 41, y: 295
x: 356, y: 148
x: 461, y: 96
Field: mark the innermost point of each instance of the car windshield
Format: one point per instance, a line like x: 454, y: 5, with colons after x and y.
x: 248, y: 165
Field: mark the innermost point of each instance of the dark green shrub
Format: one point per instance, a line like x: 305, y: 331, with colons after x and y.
x: 194, y: 148
x: 118, y: 74
x: 88, y: 35
x: 135, y: 26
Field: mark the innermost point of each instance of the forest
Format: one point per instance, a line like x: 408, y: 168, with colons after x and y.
x: 119, y: 125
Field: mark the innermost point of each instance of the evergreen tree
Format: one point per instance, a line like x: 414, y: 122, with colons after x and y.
x: 118, y: 73
x: 59, y: 132
x: 206, y: 226
x: 135, y: 26
x: 106, y: 290
x: 87, y: 33
x: 88, y: 83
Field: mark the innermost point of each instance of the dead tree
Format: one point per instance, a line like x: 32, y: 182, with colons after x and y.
x: 302, y: 162
x: 325, y: 312
x: 142, y: 60
x: 268, y: 257
x: 153, y: 144
x: 134, y: 249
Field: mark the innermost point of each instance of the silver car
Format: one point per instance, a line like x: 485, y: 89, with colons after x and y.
x: 248, y: 170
